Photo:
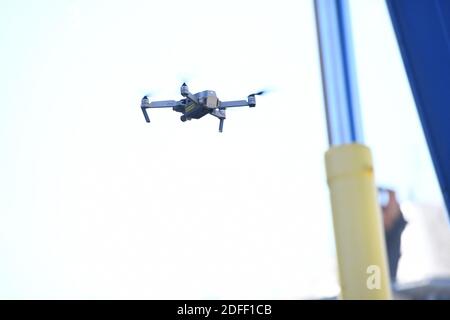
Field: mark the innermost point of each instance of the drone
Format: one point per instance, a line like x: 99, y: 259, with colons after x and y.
x: 198, y: 105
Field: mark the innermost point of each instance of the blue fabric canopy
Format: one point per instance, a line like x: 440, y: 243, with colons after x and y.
x: 423, y: 33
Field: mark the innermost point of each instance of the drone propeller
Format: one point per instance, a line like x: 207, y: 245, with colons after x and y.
x: 259, y: 93
x: 149, y: 94
x: 184, y: 77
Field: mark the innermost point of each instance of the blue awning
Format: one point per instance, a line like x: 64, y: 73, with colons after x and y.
x: 423, y: 33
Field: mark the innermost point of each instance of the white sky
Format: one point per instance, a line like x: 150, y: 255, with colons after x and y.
x: 96, y: 203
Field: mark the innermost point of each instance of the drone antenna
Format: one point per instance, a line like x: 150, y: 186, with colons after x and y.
x: 221, y: 125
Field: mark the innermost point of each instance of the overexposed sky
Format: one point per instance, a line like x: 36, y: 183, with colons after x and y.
x: 96, y: 203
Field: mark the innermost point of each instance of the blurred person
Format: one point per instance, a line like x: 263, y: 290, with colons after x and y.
x: 394, y: 224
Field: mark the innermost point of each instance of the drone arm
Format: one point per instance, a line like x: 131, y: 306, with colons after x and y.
x: 191, y: 97
x: 220, y: 112
x: 144, y: 111
x: 155, y: 104
x: 184, y: 90
x: 162, y: 104
x: 221, y: 115
x: 231, y: 104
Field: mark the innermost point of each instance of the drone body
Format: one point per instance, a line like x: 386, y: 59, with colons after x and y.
x: 196, y: 106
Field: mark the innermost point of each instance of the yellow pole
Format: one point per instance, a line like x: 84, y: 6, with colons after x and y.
x: 360, y: 244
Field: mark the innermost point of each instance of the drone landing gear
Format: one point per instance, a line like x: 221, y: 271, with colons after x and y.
x: 219, y: 113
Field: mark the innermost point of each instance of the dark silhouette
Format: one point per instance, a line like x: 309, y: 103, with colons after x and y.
x: 394, y: 224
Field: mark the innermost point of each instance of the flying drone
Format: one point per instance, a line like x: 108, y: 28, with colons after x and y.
x: 198, y: 105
